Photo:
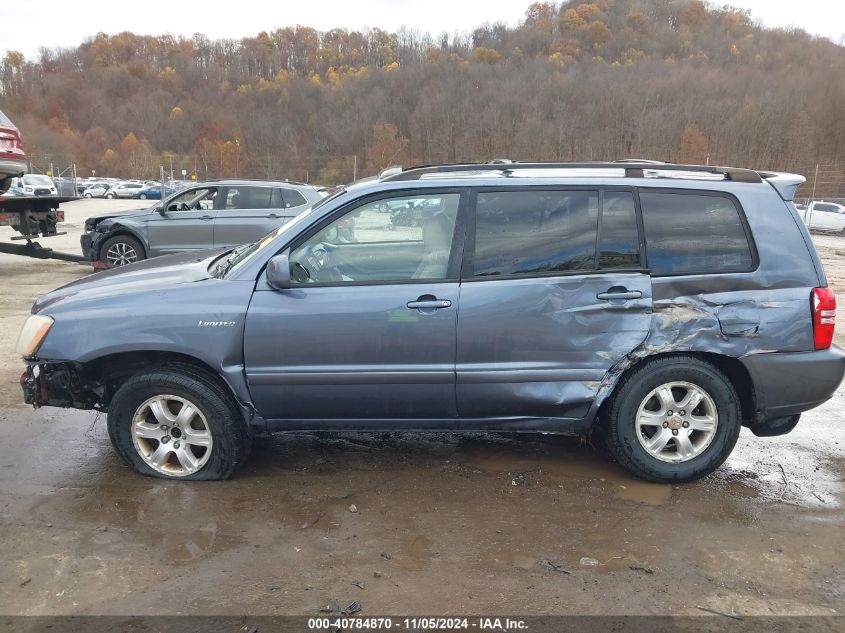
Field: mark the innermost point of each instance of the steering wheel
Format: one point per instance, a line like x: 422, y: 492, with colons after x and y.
x: 321, y: 266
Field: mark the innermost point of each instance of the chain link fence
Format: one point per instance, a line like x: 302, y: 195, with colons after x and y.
x: 64, y: 175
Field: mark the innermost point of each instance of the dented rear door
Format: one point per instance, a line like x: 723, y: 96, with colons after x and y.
x: 553, y: 296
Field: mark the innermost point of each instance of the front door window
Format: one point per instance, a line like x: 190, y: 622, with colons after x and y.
x: 193, y: 200
x: 397, y: 239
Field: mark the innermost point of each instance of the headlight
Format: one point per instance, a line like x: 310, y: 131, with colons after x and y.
x: 33, y: 333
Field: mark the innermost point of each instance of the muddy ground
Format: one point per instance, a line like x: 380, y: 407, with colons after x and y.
x: 444, y: 523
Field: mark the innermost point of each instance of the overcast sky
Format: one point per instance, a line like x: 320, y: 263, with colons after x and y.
x: 27, y: 25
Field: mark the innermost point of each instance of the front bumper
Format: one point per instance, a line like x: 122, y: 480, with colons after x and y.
x: 789, y: 383
x: 58, y: 384
x: 89, y: 241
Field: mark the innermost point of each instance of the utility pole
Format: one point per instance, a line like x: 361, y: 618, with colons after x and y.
x: 813, y: 198
x: 355, y: 168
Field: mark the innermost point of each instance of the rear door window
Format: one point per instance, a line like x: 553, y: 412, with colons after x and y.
x: 535, y: 232
x: 247, y: 197
x: 689, y: 233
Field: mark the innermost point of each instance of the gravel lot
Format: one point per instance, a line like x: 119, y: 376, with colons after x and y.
x: 444, y: 523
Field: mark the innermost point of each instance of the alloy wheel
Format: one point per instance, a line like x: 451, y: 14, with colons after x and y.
x: 676, y: 422
x: 120, y: 254
x: 171, y: 435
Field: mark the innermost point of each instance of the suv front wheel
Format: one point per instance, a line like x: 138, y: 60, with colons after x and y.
x: 177, y: 424
x: 672, y: 419
x: 121, y: 250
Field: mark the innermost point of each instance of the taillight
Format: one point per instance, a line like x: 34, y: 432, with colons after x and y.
x: 824, y: 317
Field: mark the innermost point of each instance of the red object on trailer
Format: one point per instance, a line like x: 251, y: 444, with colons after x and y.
x: 12, y: 156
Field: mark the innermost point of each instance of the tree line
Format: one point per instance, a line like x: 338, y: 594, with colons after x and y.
x: 677, y: 80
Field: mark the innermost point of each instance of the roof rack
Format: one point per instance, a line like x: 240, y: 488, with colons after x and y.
x: 631, y: 169
x: 259, y: 180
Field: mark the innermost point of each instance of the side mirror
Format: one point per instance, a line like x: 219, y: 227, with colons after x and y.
x: 160, y: 208
x: 278, y: 272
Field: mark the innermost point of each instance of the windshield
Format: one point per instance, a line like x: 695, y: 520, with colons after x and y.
x: 238, y: 257
x: 36, y: 180
x: 241, y: 255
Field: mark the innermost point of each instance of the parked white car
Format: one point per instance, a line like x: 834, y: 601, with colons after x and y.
x: 97, y: 190
x: 825, y: 216
x: 124, y: 190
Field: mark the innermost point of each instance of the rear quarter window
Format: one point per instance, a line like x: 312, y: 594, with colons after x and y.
x: 292, y: 198
x: 689, y: 233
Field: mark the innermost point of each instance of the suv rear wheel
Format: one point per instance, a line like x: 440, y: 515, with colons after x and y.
x: 672, y: 419
x: 175, y: 425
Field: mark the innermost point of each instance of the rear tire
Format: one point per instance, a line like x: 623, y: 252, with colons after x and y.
x: 121, y: 250
x: 650, y: 433
x: 208, y: 441
x: 110, y: 196
x: 5, y: 183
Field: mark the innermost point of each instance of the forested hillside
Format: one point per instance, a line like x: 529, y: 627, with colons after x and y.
x: 676, y: 80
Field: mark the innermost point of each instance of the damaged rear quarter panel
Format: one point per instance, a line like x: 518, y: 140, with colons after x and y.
x: 736, y: 314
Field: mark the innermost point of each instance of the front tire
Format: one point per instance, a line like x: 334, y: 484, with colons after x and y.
x: 143, y: 196
x: 175, y: 423
x: 672, y: 419
x: 121, y: 250
x: 87, y: 195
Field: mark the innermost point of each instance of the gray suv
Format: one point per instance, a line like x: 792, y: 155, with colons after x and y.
x: 208, y: 215
x: 663, y: 307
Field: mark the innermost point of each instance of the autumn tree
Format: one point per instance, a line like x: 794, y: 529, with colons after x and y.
x: 386, y: 148
x: 694, y: 146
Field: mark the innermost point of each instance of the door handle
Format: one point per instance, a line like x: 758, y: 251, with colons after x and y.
x: 619, y: 293
x: 435, y: 304
x: 206, y: 217
x: 273, y: 216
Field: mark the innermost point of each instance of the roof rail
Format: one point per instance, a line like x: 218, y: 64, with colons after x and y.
x: 258, y: 180
x: 632, y: 169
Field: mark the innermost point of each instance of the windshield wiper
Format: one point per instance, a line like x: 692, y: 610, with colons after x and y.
x: 224, y: 267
